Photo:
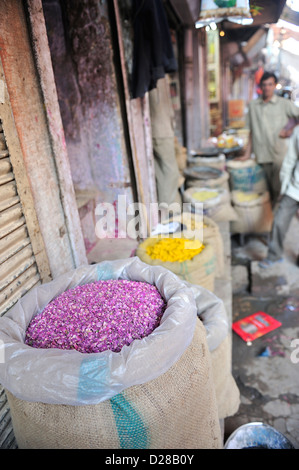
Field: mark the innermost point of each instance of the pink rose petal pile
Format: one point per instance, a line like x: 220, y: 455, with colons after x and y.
x: 98, y: 316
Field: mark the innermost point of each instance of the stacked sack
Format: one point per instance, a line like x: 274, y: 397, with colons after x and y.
x: 190, y: 260
x: 201, y: 271
x: 246, y: 176
x: 254, y: 212
x: 250, y: 197
x: 207, y: 228
x: 206, y: 176
x: 217, y: 161
x: 216, y: 203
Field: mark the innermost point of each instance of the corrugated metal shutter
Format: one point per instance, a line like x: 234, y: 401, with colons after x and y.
x: 7, y: 438
x: 18, y: 268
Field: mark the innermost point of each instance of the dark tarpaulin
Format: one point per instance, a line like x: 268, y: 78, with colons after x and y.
x: 153, y: 55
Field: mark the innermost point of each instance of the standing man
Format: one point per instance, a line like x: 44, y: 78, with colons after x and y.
x: 162, y: 122
x: 289, y: 203
x: 267, y: 119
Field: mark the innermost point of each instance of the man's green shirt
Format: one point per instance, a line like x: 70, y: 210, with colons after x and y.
x: 266, y: 120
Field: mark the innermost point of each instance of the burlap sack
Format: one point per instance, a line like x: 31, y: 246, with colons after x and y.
x: 254, y: 216
x: 227, y: 392
x: 210, y: 231
x: 206, y: 176
x: 219, y: 339
x: 212, y: 236
x: 221, y: 182
x: 200, y: 270
x: 218, y: 162
x: 177, y: 410
x: 218, y: 208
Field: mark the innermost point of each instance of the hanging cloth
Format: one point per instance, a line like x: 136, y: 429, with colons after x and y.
x: 153, y: 54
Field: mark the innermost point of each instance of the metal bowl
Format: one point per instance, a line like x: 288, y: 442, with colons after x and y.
x: 206, y: 152
x: 202, y: 172
x: 257, y: 436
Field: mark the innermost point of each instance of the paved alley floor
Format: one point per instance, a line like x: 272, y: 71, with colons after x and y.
x: 267, y: 371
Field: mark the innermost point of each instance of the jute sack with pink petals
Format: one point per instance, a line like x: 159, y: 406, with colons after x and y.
x: 158, y: 392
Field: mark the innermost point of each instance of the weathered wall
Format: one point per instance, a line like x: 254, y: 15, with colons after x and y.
x: 137, y: 111
x: 82, y: 56
x: 195, y: 92
x: 28, y: 109
x: 40, y: 46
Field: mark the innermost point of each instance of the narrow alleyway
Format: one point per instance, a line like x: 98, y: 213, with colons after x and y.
x: 81, y: 132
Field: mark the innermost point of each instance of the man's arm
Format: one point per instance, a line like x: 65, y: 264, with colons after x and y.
x: 293, y: 115
x: 287, y: 130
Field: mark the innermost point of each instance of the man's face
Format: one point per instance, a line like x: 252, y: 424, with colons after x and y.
x: 268, y: 87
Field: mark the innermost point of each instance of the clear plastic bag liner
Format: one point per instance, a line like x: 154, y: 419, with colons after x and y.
x: 72, y: 378
x: 211, y: 311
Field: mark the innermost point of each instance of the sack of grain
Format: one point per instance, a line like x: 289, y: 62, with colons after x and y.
x: 216, y: 203
x: 219, y: 341
x: 254, y: 212
x: 227, y: 392
x: 218, y: 162
x: 206, y: 177
x: 67, y: 399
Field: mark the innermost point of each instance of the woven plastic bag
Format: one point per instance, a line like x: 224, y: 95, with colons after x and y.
x: 246, y: 176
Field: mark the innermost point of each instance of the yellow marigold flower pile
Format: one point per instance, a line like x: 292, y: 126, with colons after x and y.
x: 175, y: 249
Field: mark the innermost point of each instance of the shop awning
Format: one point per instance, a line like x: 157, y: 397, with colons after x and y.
x: 186, y: 10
